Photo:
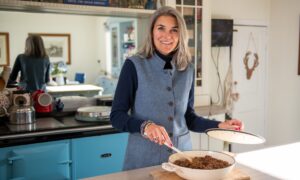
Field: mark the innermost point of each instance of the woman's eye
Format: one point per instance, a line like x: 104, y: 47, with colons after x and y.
x: 175, y: 30
x: 160, y: 28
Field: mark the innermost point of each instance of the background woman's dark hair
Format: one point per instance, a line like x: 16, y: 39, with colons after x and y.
x: 35, y: 46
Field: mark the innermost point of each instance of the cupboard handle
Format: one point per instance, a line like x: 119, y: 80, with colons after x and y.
x: 106, y: 155
x: 65, y: 162
x: 14, y: 158
x: 18, y: 178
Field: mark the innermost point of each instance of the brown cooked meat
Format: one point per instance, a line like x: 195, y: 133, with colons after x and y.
x: 206, y: 162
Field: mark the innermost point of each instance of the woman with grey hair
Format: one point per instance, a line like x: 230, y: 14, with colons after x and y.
x: 157, y: 86
x: 33, y: 64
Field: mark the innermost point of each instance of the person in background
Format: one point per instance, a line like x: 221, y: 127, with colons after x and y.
x: 33, y: 64
x: 157, y: 86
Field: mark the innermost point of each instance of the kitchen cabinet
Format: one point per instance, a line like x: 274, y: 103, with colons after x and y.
x: 65, y: 159
x: 204, y: 142
x: 198, y: 20
x: 50, y: 160
x: 98, y: 155
x: 123, y: 43
x: 192, y: 14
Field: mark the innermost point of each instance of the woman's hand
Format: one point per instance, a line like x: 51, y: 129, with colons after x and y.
x: 157, y: 134
x: 232, y: 124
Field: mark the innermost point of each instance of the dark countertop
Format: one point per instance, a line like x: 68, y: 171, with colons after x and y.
x: 50, y: 128
x: 57, y: 126
x: 210, y: 110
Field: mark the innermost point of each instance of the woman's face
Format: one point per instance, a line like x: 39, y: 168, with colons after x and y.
x: 165, y: 34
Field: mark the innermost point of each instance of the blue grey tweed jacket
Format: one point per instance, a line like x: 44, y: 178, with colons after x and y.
x: 162, y: 97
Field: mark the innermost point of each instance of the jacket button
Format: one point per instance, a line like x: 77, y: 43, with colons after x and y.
x: 169, y: 88
x: 170, y: 135
x: 170, y: 118
x: 170, y: 150
x: 170, y: 103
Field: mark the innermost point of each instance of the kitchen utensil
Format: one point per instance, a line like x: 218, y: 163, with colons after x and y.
x: 5, y: 74
x: 104, y: 100
x: 233, y: 136
x: 72, y: 103
x: 93, y: 113
x: 176, y: 150
x: 4, y: 102
x: 195, y: 174
x: 42, y: 101
x: 179, y: 152
x: 21, y: 97
x: 21, y: 114
x: 2, y: 84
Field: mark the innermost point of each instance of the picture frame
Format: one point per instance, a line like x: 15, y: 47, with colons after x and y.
x: 58, y: 46
x: 4, y: 49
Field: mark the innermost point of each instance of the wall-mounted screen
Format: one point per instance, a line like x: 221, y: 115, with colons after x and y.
x: 221, y: 32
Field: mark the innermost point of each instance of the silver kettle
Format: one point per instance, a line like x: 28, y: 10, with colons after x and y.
x: 21, y: 114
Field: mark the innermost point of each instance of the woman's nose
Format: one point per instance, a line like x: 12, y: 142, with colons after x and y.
x: 168, y: 35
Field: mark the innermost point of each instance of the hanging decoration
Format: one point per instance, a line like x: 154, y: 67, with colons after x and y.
x: 250, y: 69
x: 230, y: 92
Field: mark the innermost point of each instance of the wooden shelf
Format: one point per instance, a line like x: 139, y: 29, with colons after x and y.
x: 44, y: 7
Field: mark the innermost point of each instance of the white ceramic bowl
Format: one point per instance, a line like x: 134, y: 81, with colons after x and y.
x: 196, y: 174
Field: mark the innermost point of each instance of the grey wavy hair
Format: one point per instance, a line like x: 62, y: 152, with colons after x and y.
x: 182, y: 57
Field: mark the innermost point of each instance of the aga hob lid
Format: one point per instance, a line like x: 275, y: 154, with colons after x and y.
x: 233, y: 136
x: 93, y: 113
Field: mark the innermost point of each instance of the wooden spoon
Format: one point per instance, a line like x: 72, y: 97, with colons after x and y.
x: 179, y: 152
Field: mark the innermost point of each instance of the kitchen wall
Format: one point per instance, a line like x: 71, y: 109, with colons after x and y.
x: 284, y: 83
x: 249, y: 11
x: 86, y: 33
x: 283, y: 87
x: 241, y: 9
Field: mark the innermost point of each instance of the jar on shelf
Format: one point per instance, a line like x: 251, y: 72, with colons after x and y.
x: 123, y: 3
x: 149, y: 4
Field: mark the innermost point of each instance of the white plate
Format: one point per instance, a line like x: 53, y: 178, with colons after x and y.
x: 233, y: 136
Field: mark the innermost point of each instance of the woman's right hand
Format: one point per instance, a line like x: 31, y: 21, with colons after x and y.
x: 157, y: 134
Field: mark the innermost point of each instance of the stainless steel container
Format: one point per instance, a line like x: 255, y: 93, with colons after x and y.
x: 93, y: 113
x: 22, y: 115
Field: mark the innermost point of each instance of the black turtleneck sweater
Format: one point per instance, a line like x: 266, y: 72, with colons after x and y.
x: 125, y: 91
x: 167, y: 58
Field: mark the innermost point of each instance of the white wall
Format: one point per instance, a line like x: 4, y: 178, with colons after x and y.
x: 283, y: 101
x: 284, y: 83
x: 257, y: 10
x: 240, y: 11
x: 86, y: 33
